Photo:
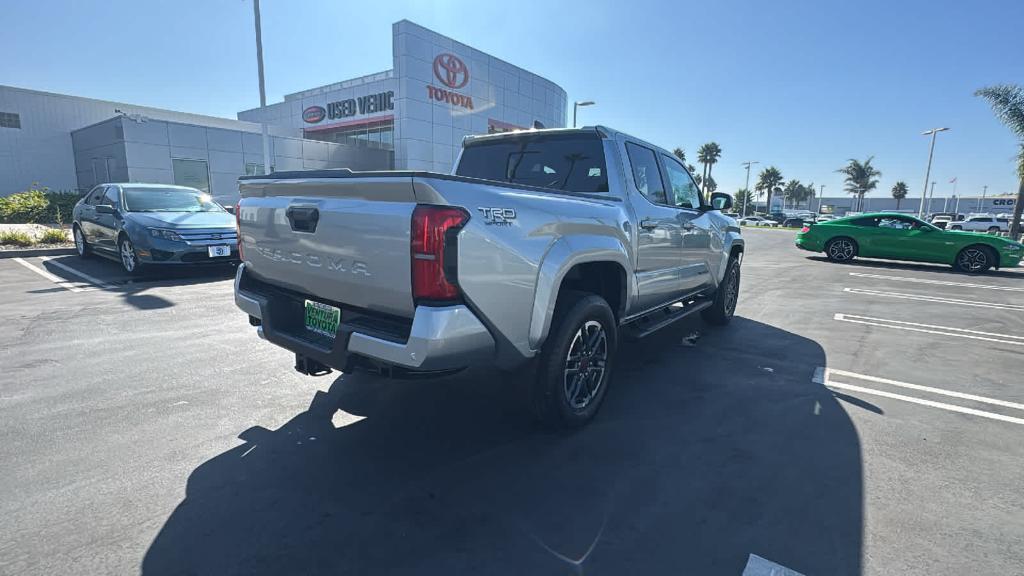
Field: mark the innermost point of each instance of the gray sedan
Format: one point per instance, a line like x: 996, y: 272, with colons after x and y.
x: 147, y: 224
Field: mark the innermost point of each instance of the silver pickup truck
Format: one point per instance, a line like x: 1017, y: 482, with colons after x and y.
x: 541, y: 251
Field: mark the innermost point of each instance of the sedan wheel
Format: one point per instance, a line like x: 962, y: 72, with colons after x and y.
x: 129, y: 261
x: 80, y: 246
x: 973, y: 259
x: 841, y: 249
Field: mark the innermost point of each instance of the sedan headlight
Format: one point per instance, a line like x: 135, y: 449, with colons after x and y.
x: 165, y: 234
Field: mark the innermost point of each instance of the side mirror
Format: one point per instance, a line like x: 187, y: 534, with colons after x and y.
x: 104, y: 209
x: 720, y: 201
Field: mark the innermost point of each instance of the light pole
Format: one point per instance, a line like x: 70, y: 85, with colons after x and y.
x: 576, y: 105
x: 747, y: 187
x: 820, y: 194
x: 928, y: 172
x: 263, y: 90
x: 984, y: 190
x: 931, y: 196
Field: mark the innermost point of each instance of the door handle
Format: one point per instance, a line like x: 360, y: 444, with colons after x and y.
x: 687, y: 226
x: 648, y: 224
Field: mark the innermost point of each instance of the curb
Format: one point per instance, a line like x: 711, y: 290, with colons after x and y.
x: 32, y: 252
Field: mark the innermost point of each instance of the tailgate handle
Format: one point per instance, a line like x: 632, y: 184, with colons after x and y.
x: 303, y: 218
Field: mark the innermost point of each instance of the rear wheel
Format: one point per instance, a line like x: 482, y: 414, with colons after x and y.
x: 81, y: 246
x: 575, y: 365
x: 841, y: 249
x: 957, y: 227
x: 724, y: 306
x: 993, y: 229
x: 975, y: 259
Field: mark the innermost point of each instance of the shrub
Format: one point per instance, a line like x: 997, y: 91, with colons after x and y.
x: 54, y: 236
x: 37, y: 205
x: 15, y: 238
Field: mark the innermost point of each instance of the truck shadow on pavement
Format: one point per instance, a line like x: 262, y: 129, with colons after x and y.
x: 700, y: 456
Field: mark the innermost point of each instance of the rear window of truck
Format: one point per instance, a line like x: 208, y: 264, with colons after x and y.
x: 569, y: 162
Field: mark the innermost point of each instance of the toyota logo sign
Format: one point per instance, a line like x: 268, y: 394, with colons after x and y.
x: 450, y: 70
x: 313, y: 114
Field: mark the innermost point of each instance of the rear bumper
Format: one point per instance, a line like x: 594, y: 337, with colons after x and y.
x: 438, y: 339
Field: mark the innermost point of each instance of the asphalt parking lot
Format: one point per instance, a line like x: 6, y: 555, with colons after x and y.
x: 853, y: 419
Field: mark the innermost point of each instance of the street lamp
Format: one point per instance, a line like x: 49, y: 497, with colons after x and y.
x: 820, y: 195
x: 928, y: 172
x: 263, y: 90
x: 747, y: 187
x: 576, y: 105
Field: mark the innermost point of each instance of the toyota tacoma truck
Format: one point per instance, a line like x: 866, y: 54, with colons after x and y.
x: 540, y: 252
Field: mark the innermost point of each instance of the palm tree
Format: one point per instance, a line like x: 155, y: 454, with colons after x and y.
x: 861, y: 178
x: 899, y: 192
x: 741, y: 199
x: 768, y: 181
x: 793, y: 191
x: 1007, y: 101
x: 708, y: 154
x: 681, y: 154
x: 809, y: 193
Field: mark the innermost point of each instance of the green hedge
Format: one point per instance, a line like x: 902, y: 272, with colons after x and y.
x: 37, y: 206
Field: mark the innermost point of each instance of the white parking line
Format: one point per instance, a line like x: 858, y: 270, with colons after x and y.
x: 936, y: 299
x: 80, y: 274
x: 51, y: 277
x: 757, y: 566
x: 937, y: 282
x: 932, y: 329
x: 823, y: 375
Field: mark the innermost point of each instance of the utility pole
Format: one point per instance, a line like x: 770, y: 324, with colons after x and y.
x: 928, y: 172
x: 747, y: 186
x: 263, y: 90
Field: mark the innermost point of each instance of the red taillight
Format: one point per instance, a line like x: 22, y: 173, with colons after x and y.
x: 238, y: 227
x: 805, y: 229
x: 430, y: 227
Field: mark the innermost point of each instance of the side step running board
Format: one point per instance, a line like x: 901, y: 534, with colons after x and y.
x: 662, y: 317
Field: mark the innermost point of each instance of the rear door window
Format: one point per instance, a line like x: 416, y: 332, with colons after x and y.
x: 646, y: 173
x: 569, y: 162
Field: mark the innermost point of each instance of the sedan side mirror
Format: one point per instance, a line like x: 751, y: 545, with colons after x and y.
x: 104, y: 209
x: 720, y: 201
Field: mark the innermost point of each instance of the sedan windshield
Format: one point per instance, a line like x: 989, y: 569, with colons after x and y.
x: 168, y: 200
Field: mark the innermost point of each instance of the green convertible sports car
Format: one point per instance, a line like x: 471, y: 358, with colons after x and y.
x: 902, y: 237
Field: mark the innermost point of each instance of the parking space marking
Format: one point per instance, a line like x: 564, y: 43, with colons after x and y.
x: 936, y: 299
x: 89, y: 278
x: 823, y: 375
x: 937, y: 282
x: 757, y: 566
x: 931, y: 329
x: 51, y: 277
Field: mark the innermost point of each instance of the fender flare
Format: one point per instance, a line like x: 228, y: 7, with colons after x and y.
x: 564, y: 253
x: 732, y: 239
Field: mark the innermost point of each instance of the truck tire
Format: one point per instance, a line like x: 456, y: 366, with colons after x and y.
x: 721, y: 310
x: 575, y: 364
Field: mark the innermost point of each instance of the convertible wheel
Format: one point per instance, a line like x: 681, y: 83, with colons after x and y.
x: 974, y: 259
x: 841, y: 249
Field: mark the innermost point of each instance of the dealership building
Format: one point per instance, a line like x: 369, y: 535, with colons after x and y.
x: 412, y: 116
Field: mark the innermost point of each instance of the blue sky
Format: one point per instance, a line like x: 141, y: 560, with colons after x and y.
x: 802, y: 85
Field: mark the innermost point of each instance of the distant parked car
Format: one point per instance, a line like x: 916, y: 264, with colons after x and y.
x: 795, y: 222
x: 989, y: 224
x: 758, y: 221
x: 146, y: 224
x: 824, y: 217
x: 902, y: 237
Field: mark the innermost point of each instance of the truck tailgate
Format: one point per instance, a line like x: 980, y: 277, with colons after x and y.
x: 340, y: 239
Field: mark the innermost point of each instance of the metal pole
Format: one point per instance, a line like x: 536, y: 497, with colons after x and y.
x: 984, y: 190
x: 927, y: 174
x: 263, y: 90
x: 575, y: 105
x: 820, y: 195
x: 957, y: 209
x: 748, y: 164
x: 931, y: 196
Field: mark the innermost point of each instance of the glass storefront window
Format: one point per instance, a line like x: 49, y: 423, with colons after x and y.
x: 191, y: 173
x: 373, y: 135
